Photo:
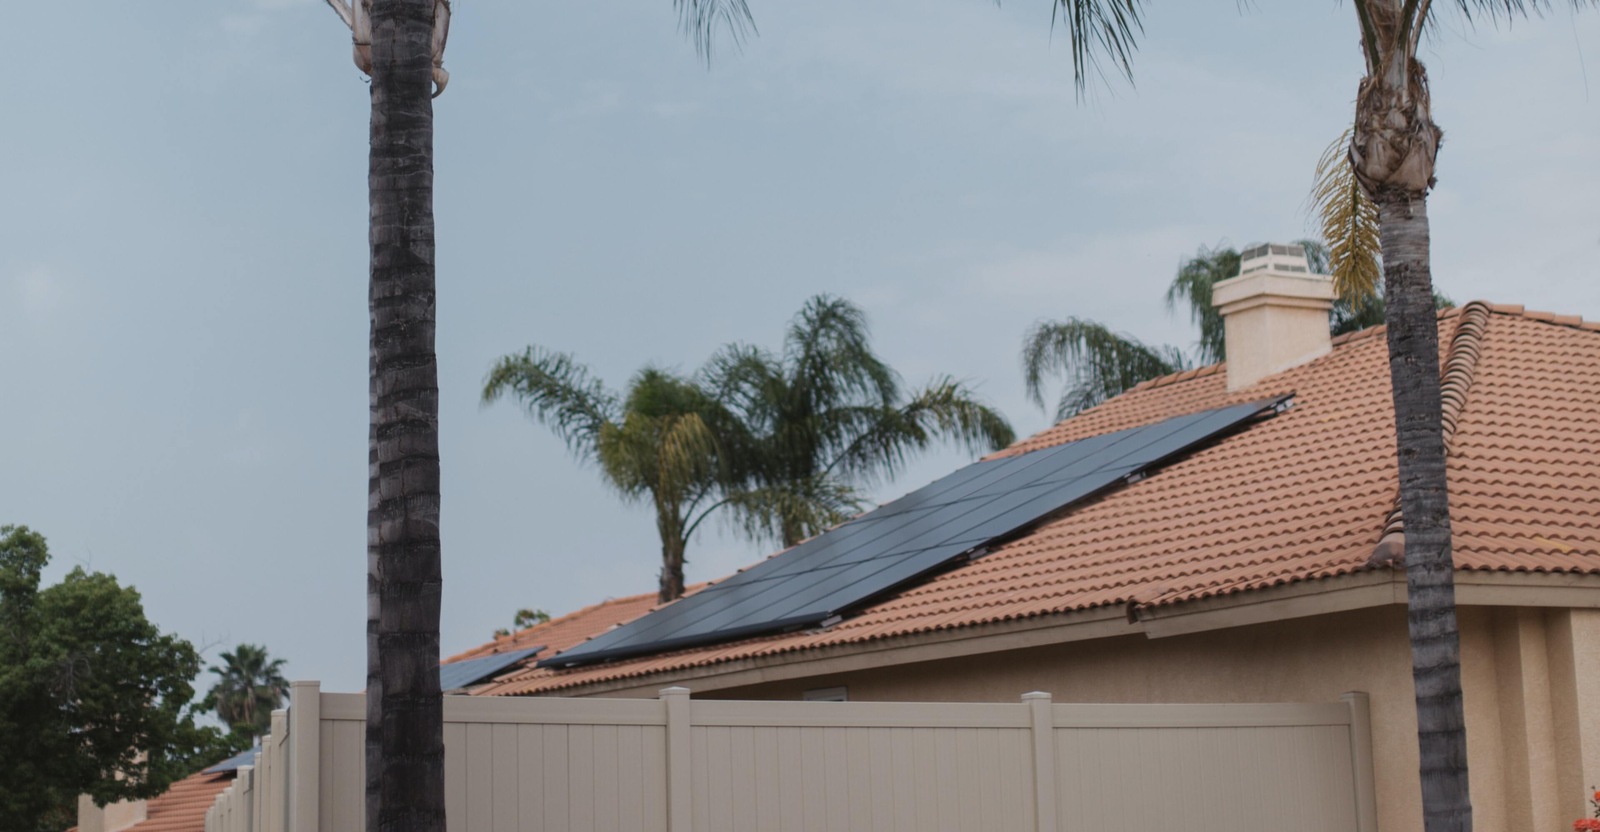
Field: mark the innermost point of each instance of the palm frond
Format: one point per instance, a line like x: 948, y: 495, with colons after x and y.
x: 1349, y: 223
x: 1099, y: 27
x: 700, y: 20
x: 829, y: 351
x: 663, y: 444
x: 1097, y: 363
x: 1192, y: 285
x: 804, y: 507
x: 945, y: 409
x: 556, y: 391
x: 1316, y: 255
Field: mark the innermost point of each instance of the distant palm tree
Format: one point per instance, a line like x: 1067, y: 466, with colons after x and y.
x: 249, y: 686
x: 778, y: 442
x: 658, y: 441
x: 827, y: 415
x: 1099, y: 364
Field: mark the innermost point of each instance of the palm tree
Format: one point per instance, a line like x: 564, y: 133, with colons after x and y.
x: 1390, y: 159
x: 249, y: 686
x: 663, y: 441
x: 828, y: 415
x: 777, y: 442
x: 400, y: 44
x: 1100, y: 364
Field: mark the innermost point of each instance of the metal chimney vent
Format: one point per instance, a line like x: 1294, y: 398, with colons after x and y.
x: 1283, y: 259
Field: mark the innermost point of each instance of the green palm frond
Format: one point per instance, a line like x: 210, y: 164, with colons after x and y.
x: 1349, y: 223
x: 700, y: 20
x: 663, y: 444
x: 1192, y: 285
x: 944, y: 409
x: 556, y: 391
x: 1097, y: 363
x: 1096, y: 27
x: 830, y: 355
x: 797, y: 509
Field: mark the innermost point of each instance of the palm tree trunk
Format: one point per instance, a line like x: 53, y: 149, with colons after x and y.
x: 405, y: 726
x: 1413, y: 335
x: 672, y: 558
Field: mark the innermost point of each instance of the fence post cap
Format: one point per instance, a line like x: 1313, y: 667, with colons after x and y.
x: 1035, y: 694
x: 675, y: 690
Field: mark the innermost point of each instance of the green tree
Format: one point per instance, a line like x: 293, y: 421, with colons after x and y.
x: 524, y: 619
x: 92, y: 695
x: 250, y: 684
x: 828, y: 415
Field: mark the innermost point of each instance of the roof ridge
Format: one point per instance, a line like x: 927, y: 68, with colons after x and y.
x: 1460, y: 368
x: 1516, y: 310
x: 1181, y: 375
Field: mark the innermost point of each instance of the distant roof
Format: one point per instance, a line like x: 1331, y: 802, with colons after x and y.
x: 182, y: 808
x: 1302, y: 497
x: 572, y: 628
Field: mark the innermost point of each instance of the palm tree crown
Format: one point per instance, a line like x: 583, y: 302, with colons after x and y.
x: 827, y: 415
x: 250, y: 684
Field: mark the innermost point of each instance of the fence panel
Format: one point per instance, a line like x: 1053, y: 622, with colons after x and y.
x: 676, y: 765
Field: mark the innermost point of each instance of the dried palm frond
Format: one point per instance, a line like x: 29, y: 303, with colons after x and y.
x: 1349, y: 223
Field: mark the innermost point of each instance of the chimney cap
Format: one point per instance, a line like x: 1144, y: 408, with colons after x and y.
x: 1276, y: 257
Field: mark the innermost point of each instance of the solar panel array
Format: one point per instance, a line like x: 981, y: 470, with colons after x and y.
x: 457, y: 675
x: 911, y: 537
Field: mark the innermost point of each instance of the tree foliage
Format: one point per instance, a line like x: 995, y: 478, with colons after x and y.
x: 93, y: 697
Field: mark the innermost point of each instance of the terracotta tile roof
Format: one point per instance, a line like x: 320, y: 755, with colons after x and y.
x: 182, y: 808
x: 1302, y: 496
x: 560, y: 633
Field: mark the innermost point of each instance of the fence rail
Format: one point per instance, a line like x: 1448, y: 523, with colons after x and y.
x: 681, y: 765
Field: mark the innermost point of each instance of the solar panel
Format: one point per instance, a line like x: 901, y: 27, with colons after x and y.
x: 457, y: 675
x: 246, y: 757
x: 909, y: 538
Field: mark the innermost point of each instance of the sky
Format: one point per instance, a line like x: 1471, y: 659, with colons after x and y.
x: 183, y: 320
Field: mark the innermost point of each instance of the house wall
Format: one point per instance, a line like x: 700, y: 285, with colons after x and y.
x: 1531, y: 681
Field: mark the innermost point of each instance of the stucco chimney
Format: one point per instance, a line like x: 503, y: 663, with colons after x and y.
x: 1274, y: 314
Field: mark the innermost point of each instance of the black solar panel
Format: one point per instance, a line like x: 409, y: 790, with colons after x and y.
x: 457, y: 675
x: 913, y: 536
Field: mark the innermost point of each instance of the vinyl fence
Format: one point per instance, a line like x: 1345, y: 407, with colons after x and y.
x: 681, y: 765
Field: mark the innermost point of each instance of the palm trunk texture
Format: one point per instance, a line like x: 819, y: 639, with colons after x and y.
x: 405, y: 725
x: 672, y: 554
x: 1413, y: 335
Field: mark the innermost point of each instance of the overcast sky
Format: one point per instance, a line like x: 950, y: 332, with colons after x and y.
x: 183, y: 322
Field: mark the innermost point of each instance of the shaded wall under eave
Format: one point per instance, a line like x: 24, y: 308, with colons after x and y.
x: 1531, y: 679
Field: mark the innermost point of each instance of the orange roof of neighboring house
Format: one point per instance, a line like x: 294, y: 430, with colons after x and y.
x: 182, y: 808
x: 1298, y: 497
x: 573, y: 628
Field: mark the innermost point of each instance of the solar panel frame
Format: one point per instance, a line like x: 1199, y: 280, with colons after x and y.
x: 918, y: 534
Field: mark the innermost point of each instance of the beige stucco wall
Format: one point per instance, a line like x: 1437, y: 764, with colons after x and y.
x: 1531, y: 681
